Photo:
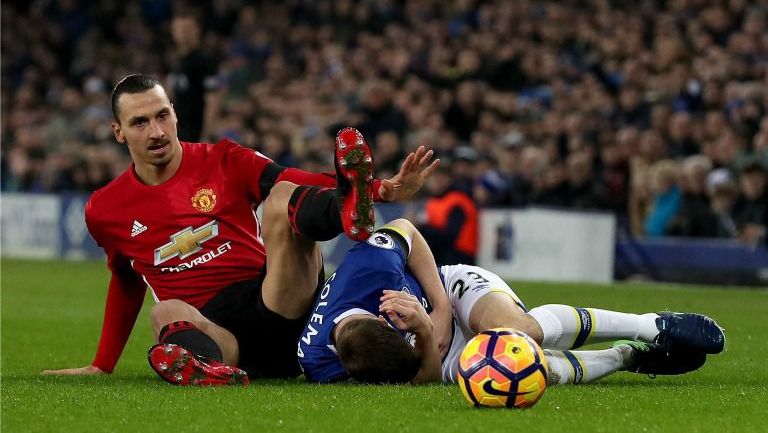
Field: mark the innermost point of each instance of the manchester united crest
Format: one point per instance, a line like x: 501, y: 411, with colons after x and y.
x: 204, y: 200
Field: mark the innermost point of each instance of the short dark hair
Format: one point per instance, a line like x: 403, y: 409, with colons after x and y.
x: 375, y: 353
x: 135, y: 83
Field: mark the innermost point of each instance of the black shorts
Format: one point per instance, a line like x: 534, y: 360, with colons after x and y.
x: 267, y: 340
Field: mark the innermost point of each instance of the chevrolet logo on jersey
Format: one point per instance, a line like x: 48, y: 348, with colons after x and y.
x: 186, y: 242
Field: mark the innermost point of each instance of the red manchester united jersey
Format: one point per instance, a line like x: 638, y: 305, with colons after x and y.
x: 191, y: 235
x: 186, y: 238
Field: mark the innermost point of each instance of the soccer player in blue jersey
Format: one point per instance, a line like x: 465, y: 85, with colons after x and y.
x: 371, y: 322
x: 354, y: 292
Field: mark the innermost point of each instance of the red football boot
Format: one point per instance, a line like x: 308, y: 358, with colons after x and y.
x: 354, y: 180
x: 180, y: 366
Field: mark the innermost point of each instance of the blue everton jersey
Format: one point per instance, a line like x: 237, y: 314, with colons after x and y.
x: 355, y: 288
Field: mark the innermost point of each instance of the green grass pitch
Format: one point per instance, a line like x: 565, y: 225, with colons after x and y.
x: 51, y: 318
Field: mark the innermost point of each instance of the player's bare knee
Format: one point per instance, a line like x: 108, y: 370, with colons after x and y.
x: 275, y: 216
x: 521, y: 322
x: 485, y: 322
x: 497, y: 310
x: 278, y: 198
x: 527, y: 324
x: 172, y: 310
x: 533, y: 329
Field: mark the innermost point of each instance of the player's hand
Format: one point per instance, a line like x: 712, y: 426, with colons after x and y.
x: 442, y: 324
x: 406, y: 312
x: 82, y: 371
x: 416, y: 168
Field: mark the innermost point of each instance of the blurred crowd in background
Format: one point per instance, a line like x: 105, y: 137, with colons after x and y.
x: 653, y: 110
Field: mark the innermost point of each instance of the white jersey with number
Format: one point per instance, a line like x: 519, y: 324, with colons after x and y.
x: 465, y: 285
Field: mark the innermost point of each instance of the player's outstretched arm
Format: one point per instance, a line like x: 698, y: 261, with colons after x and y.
x: 125, y: 297
x: 416, y: 168
x: 124, y: 300
x: 421, y: 263
x: 261, y: 174
x: 88, y: 370
x: 407, y: 314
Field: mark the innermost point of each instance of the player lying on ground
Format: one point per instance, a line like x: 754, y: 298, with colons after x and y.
x: 371, y: 323
x: 181, y: 221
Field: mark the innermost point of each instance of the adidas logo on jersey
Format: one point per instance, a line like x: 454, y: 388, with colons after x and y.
x: 138, y: 228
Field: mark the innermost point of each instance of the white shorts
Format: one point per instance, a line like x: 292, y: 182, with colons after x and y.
x: 465, y: 285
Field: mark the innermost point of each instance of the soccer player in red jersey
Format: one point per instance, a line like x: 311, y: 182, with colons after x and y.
x: 181, y: 221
